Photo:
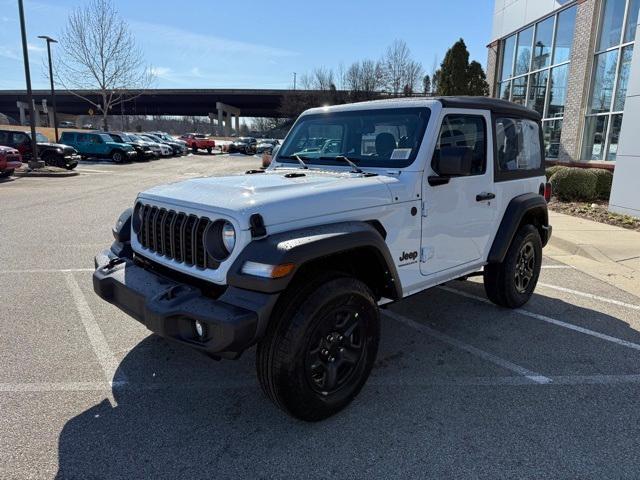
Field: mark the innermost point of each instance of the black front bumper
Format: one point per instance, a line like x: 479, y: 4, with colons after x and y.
x: 232, y: 323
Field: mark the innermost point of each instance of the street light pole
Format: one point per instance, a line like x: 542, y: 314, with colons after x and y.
x: 294, y: 81
x: 33, y: 162
x: 53, y: 93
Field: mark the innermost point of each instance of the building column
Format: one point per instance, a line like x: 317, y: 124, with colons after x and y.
x: 582, y: 56
x: 493, y: 76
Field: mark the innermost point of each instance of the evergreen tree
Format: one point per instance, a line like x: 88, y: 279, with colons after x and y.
x: 477, y: 80
x: 452, y: 79
x: 426, y: 84
x: 459, y: 77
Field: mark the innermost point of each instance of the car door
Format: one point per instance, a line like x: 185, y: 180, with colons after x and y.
x: 459, y: 212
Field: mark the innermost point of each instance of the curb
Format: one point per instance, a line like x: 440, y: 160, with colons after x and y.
x: 35, y: 173
x: 572, y: 248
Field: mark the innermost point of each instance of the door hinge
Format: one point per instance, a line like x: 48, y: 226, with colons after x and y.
x: 425, y: 210
x: 426, y: 253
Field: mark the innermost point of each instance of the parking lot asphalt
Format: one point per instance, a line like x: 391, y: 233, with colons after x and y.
x: 461, y: 388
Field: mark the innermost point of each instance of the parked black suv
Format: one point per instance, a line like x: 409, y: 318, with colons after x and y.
x: 143, y: 152
x: 53, y: 154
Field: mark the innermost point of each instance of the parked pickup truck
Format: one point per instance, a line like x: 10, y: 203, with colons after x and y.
x: 198, y: 141
x: 299, y: 258
x: 10, y: 159
x: 99, y: 145
x: 53, y: 154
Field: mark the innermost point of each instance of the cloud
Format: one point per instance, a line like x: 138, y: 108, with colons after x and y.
x: 205, y: 45
x: 35, y: 48
x: 8, y: 53
x: 161, y: 72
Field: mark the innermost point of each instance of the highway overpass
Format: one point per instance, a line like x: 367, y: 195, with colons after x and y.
x: 196, y: 102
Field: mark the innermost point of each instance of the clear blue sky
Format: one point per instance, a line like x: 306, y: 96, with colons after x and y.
x: 256, y: 44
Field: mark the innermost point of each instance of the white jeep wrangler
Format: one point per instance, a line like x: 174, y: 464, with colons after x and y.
x: 363, y: 205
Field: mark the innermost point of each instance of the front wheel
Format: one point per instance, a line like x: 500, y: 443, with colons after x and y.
x: 320, y: 349
x: 194, y: 149
x: 6, y: 173
x: 117, y: 156
x: 209, y: 150
x: 511, y: 283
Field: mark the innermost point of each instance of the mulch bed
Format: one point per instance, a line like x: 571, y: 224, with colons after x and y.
x: 595, y: 211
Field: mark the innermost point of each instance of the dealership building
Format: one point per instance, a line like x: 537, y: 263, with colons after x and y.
x: 575, y: 63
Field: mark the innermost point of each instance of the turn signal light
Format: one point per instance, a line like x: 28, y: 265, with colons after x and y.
x: 267, y: 271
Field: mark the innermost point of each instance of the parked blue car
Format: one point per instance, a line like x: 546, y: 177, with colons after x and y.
x: 98, y: 145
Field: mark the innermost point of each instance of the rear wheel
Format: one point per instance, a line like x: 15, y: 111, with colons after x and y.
x: 511, y: 283
x: 320, y: 348
x: 209, y: 150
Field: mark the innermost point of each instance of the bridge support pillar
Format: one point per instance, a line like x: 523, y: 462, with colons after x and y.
x: 237, y: 125
x: 225, y: 113
x: 37, y: 109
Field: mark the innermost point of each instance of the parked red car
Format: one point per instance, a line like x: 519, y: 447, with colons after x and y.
x: 10, y: 159
x: 196, y: 141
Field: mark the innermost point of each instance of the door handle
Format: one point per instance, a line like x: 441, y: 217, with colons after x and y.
x: 481, y: 197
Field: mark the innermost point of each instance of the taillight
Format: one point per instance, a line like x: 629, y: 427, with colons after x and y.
x: 547, y: 191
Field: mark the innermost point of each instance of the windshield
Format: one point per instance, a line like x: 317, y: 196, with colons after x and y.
x: 387, y: 137
x: 40, y: 138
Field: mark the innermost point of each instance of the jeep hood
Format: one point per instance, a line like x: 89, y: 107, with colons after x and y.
x: 274, y: 195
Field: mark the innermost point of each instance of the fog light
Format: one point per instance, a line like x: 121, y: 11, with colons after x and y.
x: 199, y: 328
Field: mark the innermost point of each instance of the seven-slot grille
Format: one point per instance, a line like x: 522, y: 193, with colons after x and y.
x: 175, y: 235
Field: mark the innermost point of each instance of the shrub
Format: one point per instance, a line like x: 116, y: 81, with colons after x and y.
x: 552, y: 170
x: 571, y: 184
x: 604, y: 178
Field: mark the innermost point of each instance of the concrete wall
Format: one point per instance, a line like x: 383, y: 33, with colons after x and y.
x: 511, y: 15
x: 625, y: 194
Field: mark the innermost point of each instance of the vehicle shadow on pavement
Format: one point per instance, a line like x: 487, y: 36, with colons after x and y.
x: 210, y: 420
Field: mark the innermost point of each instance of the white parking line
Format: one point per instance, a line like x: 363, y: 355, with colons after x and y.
x: 556, y: 267
x: 533, y: 376
x: 100, y: 346
x: 590, y: 295
x: 547, y: 319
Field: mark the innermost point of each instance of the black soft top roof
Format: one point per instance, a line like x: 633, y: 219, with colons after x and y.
x: 486, y: 103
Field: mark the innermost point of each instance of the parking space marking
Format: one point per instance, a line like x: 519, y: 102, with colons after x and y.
x: 590, y: 295
x: 533, y: 376
x: 105, y: 356
x: 547, y: 319
x: 49, y: 270
x: 556, y: 267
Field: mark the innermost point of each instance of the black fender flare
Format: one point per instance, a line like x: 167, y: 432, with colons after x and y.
x: 307, y: 244
x: 518, y: 208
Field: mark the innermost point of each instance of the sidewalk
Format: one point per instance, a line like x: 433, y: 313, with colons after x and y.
x: 603, y: 251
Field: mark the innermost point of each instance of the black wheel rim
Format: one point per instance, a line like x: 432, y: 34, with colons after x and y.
x: 117, y: 157
x: 525, y: 267
x: 336, y: 349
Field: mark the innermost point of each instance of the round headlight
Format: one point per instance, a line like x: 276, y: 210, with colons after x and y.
x: 228, y: 236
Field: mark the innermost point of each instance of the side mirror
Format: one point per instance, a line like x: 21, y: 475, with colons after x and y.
x: 453, y: 161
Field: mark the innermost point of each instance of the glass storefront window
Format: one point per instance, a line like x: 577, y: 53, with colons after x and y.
x: 603, y: 81
x: 551, y: 131
x: 519, y: 90
x: 507, y: 59
x: 523, y: 51
x: 623, y: 78
x: 538, y: 91
x: 632, y: 21
x: 611, y: 24
x: 557, y: 91
x: 542, y: 44
x: 564, y: 35
x: 595, y: 130
x: 505, y: 90
x: 535, y: 66
x: 614, y: 135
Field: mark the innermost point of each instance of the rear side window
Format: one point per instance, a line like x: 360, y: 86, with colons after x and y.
x: 467, y: 131
x: 518, y: 147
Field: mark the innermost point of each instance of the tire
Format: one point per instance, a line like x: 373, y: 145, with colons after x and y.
x: 310, y: 337
x: 511, y: 283
x: 209, y: 149
x: 117, y: 156
x: 194, y: 149
x: 6, y: 173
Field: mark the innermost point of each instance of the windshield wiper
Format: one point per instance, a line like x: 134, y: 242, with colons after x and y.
x: 296, y: 157
x: 354, y: 167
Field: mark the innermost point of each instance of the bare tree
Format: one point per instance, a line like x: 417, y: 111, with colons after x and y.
x: 364, y: 79
x: 401, y: 73
x: 100, y: 58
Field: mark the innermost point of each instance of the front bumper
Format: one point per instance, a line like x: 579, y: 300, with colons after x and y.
x: 72, y: 160
x: 233, y: 322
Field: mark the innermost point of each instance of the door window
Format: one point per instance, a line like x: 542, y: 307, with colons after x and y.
x: 518, y: 146
x: 20, y: 138
x: 468, y: 131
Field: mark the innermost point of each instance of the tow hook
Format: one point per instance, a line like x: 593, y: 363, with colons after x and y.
x: 113, y: 262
